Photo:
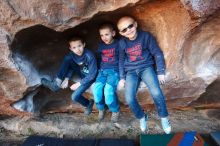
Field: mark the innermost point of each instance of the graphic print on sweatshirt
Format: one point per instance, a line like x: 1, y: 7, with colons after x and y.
x: 135, y: 52
x: 108, y: 55
x: 84, y: 67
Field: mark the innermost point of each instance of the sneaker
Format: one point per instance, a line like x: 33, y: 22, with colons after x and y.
x: 166, y: 125
x: 143, y: 123
x: 115, y: 116
x: 101, y: 114
x: 88, y: 110
x: 52, y: 85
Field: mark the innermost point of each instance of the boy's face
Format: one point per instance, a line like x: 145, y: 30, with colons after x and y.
x: 128, y: 28
x: 77, y: 47
x: 107, y: 35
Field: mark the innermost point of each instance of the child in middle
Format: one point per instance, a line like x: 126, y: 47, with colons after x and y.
x: 108, y: 76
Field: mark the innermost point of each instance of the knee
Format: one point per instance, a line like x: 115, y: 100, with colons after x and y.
x: 108, y: 91
x: 109, y: 94
x: 97, y: 89
x: 129, y: 97
x: 74, y: 97
x: 156, y: 92
x: 130, y: 94
x: 97, y: 86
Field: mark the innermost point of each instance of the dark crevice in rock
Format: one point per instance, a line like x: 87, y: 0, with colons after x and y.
x: 38, y: 50
x: 41, y: 99
x: 210, y: 97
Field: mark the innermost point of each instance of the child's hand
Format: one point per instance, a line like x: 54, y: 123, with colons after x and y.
x: 65, y: 83
x: 161, y: 79
x: 121, y: 84
x: 75, y: 86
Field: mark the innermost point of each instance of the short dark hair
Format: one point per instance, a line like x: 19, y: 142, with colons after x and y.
x: 76, y: 38
x: 106, y: 25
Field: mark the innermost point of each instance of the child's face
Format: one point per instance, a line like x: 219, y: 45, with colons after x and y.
x: 128, y: 28
x: 107, y: 35
x: 77, y: 47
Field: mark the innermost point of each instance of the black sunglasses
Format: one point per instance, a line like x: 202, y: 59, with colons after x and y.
x: 126, y: 29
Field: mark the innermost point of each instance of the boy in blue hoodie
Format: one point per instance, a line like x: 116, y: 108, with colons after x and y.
x: 79, y: 59
x: 108, y: 76
x: 137, y: 54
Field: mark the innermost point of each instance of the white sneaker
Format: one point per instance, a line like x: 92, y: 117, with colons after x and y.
x: 166, y: 125
x: 143, y: 123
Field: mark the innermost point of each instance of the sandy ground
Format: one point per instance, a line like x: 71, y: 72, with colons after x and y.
x: 14, y: 130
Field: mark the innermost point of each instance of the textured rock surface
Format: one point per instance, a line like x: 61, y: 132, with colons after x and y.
x: 201, y: 52
x: 186, y: 30
x: 201, y: 8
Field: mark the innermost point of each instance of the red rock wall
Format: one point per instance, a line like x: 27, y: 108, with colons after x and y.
x: 186, y: 30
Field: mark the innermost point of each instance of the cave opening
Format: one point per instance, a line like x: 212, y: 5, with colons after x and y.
x: 38, y: 51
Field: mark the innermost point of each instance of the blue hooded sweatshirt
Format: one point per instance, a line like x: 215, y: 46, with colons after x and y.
x: 140, y: 53
x: 87, y: 65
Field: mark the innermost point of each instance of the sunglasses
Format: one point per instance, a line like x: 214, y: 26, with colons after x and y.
x: 126, y: 29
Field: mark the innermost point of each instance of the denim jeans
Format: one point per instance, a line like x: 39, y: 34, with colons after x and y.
x: 106, y: 81
x: 77, y: 95
x: 149, y: 77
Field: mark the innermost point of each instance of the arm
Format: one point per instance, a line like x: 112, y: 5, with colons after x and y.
x: 121, y: 59
x: 92, y: 67
x: 121, y: 63
x: 68, y: 76
x: 159, y: 58
x: 65, y: 67
x: 65, y: 83
x: 99, y: 58
x: 158, y: 55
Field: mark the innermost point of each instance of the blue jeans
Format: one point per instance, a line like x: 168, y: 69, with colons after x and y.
x: 77, y: 95
x: 106, y: 81
x: 149, y: 77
